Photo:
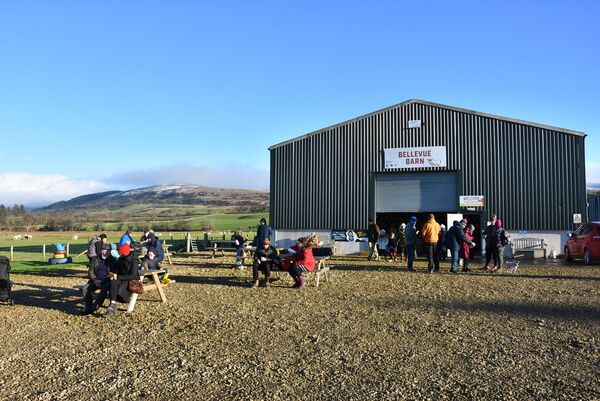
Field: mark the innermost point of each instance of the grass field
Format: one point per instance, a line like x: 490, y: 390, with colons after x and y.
x: 28, y: 254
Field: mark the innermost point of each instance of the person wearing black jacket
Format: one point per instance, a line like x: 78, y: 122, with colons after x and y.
x: 455, y: 237
x: 373, y: 237
x: 488, y: 234
x: 264, y: 259
x: 99, y: 269
x: 126, y: 269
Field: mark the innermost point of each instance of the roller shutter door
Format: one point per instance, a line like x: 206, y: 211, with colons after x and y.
x: 416, y: 192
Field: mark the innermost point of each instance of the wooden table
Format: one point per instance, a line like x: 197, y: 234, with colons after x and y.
x: 157, y: 285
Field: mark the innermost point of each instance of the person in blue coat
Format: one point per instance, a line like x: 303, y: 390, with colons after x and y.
x: 411, y: 240
x: 126, y: 238
x: 455, y: 237
x: 263, y: 231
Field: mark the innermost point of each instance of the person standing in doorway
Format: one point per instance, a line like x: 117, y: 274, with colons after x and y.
x: 411, y: 239
x: 401, y: 241
x: 465, y: 250
x: 488, y: 234
x: 431, y: 235
x: 373, y: 237
x: 442, y: 243
x: 454, y: 241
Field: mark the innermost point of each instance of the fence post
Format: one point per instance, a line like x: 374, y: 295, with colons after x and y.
x: 67, y: 249
x: 188, y: 245
x: 205, y: 240
x: 12, y: 256
x: 44, y: 251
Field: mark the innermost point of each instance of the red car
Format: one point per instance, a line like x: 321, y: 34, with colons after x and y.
x: 584, y: 243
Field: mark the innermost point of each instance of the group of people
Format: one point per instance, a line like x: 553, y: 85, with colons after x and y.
x: 266, y: 258
x: 111, y: 267
x: 299, y: 259
x: 459, y: 240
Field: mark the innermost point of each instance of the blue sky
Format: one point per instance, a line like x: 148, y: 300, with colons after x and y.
x: 103, y: 95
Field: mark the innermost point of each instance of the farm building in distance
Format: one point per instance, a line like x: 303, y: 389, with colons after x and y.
x: 419, y: 157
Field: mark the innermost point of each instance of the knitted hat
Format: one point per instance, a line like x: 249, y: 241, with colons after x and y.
x: 413, y: 219
x: 124, y: 250
x: 498, y: 223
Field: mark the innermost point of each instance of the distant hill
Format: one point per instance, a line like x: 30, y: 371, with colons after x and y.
x: 167, y: 195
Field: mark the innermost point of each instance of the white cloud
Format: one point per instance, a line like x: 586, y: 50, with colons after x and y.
x: 592, y: 173
x: 226, y: 176
x: 40, y: 190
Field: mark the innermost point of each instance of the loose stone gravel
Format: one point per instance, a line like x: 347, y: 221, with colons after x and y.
x: 370, y: 332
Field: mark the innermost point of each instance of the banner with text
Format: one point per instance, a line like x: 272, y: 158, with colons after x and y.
x: 432, y: 156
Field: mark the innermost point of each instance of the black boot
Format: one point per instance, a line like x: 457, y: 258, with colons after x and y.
x: 110, y: 311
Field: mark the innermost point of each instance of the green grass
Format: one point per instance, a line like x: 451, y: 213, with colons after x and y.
x: 33, y: 267
x: 28, y: 257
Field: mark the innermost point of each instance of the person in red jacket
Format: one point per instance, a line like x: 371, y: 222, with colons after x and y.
x: 304, y: 261
x: 465, y: 249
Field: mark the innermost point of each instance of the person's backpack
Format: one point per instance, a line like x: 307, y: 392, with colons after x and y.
x: 504, y: 240
x: 91, y: 250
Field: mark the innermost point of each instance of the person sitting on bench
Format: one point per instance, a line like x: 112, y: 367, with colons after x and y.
x: 151, y: 261
x: 304, y: 262
x: 98, y: 273
x: 265, y: 258
x: 126, y: 269
x: 151, y: 240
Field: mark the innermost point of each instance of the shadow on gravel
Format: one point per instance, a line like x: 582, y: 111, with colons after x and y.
x: 530, y: 310
x: 204, y: 263
x: 64, y: 272
x: 231, y: 281
x: 47, y: 297
x: 474, y: 273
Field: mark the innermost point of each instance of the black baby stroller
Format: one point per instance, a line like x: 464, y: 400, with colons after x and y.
x: 5, y: 283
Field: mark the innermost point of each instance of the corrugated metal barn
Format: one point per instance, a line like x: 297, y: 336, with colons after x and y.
x: 419, y: 157
x: 594, y: 208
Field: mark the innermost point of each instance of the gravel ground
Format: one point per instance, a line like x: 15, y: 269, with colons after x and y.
x: 371, y: 332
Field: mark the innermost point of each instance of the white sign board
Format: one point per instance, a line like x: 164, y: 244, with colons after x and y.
x: 432, y: 156
x: 471, y: 201
x: 577, y: 218
x: 414, y: 123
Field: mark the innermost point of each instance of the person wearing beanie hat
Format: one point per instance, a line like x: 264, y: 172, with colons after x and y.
x: 150, y: 261
x: 488, y: 235
x: 500, y: 239
x: 442, y: 243
x: 401, y: 241
x: 125, y: 269
x: 99, y: 279
x: 411, y: 239
x: 124, y: 250
x: 265, y: 257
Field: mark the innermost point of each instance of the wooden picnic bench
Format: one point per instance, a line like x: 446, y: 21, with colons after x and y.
x: 223, y: 246
x: 166, y: 252
x: 154, y: 285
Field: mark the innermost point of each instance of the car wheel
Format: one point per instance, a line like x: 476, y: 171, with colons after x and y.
x: 568, y: 256
x: 587, y: 258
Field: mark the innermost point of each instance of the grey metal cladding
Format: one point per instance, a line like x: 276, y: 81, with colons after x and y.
x: 532, y: 175
x: 594, y: 208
